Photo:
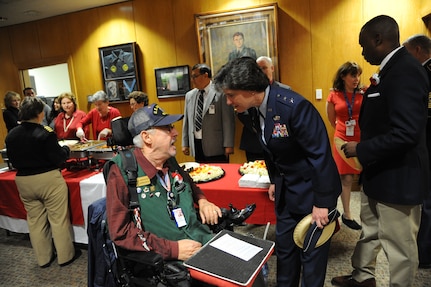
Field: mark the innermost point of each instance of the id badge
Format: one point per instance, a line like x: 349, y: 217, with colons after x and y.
x: 211, y: 109
x: 350, y: 128
x: 179, y: 217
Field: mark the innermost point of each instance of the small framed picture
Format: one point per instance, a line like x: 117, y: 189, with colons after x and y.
x: 172, y: 81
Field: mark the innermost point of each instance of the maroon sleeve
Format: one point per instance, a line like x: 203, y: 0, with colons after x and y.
x: 121, y: 227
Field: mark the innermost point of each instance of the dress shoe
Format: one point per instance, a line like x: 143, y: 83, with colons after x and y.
x: 78, y: 253
x: 348, y: 281
x: 50, y: 261
x: 424, y: 265
x: 351, y: 223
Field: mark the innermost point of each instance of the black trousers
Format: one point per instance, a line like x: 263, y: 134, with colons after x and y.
x: 201, y: 158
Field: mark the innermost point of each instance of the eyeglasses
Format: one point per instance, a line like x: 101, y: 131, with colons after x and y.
x: 167, y: 128
x: 195, y: 76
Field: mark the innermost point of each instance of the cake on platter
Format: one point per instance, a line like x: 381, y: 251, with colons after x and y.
x: 254, y: 174
x: 254, y: 167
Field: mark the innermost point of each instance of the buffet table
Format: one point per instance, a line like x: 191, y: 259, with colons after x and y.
x: 85, y: 187
x: 226, y: 190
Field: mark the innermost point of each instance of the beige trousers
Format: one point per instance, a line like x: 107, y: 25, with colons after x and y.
x: 45, y: 198
x: 394, y: 229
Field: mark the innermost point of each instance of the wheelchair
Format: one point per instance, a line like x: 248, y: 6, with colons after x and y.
x: 111, y: 266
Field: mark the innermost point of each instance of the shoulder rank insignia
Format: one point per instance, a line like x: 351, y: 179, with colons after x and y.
x: 48, y: 128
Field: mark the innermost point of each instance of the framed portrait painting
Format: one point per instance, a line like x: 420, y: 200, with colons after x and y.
x: 119, y: 69
x: 224, y: 36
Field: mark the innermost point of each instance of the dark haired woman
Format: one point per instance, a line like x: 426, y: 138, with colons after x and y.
x: 55, y: 110
x: 342, y: 107
x: 137, y: 100
x: 34, y: 151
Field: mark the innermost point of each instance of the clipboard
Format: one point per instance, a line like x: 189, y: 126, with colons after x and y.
x: 218, y: 267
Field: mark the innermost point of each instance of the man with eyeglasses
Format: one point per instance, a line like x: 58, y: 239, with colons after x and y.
x: 166, y: 194
x: 209, y: 123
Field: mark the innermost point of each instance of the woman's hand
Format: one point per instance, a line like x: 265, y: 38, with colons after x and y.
x: 271, y: 192
x: 104, y: 133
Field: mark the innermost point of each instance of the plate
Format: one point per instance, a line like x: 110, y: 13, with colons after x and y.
x: 67, y: 142
x: 189, y: 165
x: 200, y: 174
x: 351, y: 161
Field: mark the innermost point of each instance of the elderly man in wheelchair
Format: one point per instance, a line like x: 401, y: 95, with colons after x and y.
x: 164, y: 221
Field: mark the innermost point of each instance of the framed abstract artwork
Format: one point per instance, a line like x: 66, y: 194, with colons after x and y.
x: 119, y: 69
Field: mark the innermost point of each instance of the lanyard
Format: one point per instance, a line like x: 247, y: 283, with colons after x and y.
x: 350, y: 105
x: 166, y: 182
x: 65, y: 128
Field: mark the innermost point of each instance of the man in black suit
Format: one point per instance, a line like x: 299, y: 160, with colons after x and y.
x: 420, y: 47
x: 393, y: 155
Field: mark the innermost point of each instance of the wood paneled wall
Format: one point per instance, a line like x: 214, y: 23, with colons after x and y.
x: 314, y: 38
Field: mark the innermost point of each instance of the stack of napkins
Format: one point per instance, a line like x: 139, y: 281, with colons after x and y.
x: 263, y: 181
x: 254, y: 181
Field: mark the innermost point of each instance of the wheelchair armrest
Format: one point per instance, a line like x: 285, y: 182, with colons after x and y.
x: 150, y: 258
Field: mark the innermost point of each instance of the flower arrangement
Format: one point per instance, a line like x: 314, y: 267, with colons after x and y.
x: 375, y: 79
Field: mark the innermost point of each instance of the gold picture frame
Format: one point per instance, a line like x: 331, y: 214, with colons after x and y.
x: 217, y: 31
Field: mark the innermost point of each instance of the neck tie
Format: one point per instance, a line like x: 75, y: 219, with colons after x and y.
x: 199, y: 108
x: 255, y: 120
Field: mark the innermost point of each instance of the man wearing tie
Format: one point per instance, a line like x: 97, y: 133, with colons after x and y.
x: 209, y: 123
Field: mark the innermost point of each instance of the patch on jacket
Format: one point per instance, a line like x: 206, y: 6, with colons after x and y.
x: 48, y: 128
x: 279, y: 131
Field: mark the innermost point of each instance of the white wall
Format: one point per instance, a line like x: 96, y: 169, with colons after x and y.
x: 51, y: 81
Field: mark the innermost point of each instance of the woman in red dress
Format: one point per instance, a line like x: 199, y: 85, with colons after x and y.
x: 342, y: 107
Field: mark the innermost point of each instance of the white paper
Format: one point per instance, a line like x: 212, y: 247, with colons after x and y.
x: 236, y: 247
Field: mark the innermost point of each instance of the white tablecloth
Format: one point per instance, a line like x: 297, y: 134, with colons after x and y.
x: 92, y: 189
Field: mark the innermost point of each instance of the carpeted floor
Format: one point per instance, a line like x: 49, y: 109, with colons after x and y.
x: 18, y: 266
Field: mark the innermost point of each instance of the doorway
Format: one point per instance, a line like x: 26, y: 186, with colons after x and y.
x: 48, y: 81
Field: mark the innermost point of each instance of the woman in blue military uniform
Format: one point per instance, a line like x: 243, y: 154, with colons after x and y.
x: 298, y: 155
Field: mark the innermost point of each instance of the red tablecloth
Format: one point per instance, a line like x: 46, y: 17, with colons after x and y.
x: 12, y: 206
x: 226, y: 190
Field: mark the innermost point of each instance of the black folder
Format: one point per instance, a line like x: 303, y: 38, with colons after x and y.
x: 212, y: 262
